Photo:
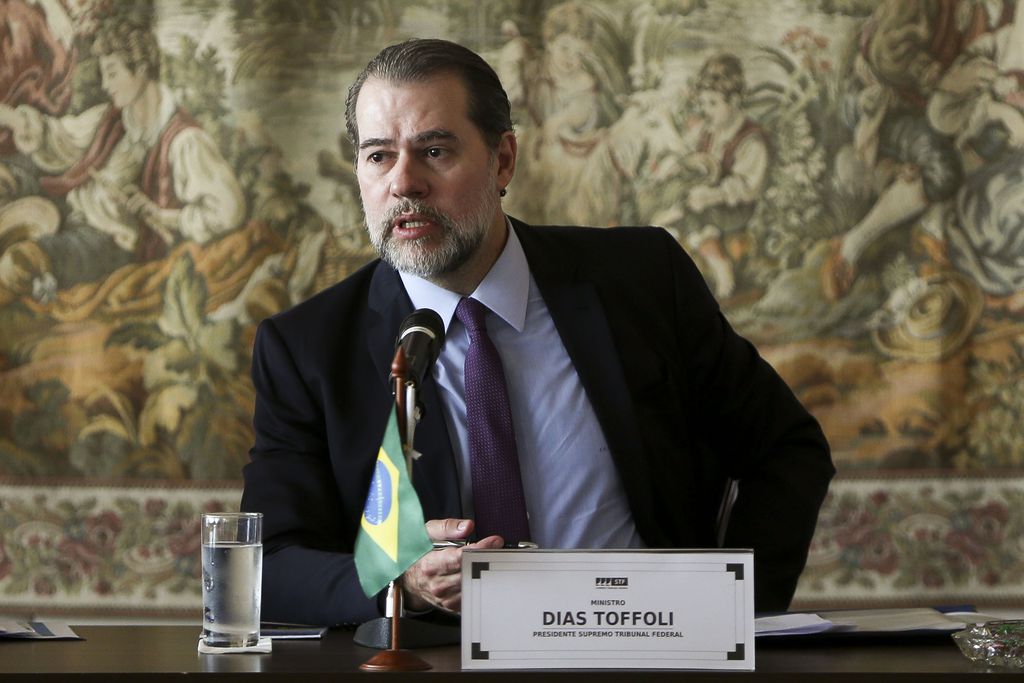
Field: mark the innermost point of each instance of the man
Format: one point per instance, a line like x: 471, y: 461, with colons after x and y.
x: 138, y: 174
x: 733, y: 150
x: 905, y: 50
x: 632, y: 399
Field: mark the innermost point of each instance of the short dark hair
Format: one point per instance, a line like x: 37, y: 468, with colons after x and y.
x: 135, y: 44
x: 722, y: 73
x: 422, y: 58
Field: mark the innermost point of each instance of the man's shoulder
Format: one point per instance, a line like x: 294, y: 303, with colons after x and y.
x: 602, y: 247
x: 611, y: 238
x: 626, y: 257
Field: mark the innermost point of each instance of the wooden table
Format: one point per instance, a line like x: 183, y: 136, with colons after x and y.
x: 168, y: 653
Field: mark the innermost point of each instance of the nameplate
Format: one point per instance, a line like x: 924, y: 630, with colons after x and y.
x: 631, y: 609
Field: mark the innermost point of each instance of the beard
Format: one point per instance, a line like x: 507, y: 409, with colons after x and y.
x: 425, y: 257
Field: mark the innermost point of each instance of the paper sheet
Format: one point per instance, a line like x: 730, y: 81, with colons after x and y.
x: 36, y: 630
x: 890, y: 620
x: 791, y: 625
x: 865, y: 621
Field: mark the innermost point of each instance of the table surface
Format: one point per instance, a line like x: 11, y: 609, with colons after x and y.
x: 169, y: 652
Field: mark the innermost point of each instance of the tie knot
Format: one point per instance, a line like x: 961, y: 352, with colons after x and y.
x: 470, y: 313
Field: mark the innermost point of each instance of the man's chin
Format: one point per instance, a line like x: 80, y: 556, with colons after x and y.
x: 427, y: 268
x: 421, y: 264
x: 428, y: 258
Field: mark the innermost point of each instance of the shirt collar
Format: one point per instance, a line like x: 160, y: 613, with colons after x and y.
x: 504, y: 289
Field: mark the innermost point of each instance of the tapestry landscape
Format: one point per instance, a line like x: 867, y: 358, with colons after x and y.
x: 848, y: 175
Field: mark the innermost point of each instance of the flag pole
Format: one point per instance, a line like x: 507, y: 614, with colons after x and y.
x: 395, y: 658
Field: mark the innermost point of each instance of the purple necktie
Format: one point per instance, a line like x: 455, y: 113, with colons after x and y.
x: 498, y: 501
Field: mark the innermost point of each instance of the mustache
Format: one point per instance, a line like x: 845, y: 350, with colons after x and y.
x: 413, y: 206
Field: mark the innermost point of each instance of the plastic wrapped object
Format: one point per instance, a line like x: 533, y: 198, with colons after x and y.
x: 997, y: 643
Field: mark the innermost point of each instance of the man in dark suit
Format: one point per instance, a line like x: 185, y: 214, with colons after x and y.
x: 633, y: 400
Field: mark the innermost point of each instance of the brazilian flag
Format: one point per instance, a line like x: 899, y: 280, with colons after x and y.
x: 392, y: 534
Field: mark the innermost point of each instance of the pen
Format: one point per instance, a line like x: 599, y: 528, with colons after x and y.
x: 521, y: 545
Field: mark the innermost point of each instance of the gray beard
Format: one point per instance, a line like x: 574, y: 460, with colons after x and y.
x: 459, y: 241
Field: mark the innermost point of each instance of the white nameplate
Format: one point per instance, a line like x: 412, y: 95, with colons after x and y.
x: 585, y: 609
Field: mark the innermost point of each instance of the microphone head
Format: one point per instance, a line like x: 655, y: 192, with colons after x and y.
x: 428, y: 322
x: 421, y: 336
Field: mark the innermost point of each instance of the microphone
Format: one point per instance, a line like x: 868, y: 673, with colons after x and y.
x: 420, y: 337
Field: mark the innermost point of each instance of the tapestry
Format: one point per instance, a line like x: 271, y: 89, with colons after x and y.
x: 846, y: 173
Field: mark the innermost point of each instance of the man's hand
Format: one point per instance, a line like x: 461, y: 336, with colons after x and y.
x: 163, y: 221
x: 435, y: 580
x: 701, y: 197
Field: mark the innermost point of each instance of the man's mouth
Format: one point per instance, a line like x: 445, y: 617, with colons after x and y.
x: 413, y: 227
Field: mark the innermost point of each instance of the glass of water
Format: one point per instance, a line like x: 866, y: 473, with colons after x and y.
x: 232, y: 576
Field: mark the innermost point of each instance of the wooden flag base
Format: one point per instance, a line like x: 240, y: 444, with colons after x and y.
x: 395, y: 658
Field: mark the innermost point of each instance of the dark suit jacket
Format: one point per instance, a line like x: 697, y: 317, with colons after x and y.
x: 684, y: 402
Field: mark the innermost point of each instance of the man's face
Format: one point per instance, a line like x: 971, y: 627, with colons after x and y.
x: 714, y: 107
x: 122, y: 84
x: 429, y: 182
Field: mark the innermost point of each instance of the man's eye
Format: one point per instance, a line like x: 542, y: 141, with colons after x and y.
x: 435, y: 152
x: 375, y: 157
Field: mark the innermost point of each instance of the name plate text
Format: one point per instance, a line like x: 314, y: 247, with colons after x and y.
x: 569, y: 609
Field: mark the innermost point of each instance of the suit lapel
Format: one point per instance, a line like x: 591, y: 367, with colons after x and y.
x: 389, y: 305
x: 434, y: 475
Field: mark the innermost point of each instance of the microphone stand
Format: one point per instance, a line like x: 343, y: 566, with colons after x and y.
x: 395, y: 658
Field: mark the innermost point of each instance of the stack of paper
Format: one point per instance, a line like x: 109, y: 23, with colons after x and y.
x: 892, y: 620
x: 36, y: 630
x: 795, y: 624
x: 914, y: 619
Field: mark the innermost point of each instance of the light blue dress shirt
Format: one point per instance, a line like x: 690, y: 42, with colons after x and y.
x: 574, y: 496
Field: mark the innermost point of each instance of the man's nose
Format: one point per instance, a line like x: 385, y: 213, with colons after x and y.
x: 408, y: 179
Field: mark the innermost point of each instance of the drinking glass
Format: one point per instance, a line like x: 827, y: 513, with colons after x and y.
x: 232, y: 575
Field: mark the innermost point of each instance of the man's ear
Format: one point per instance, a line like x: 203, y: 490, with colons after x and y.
x: 505, y: 156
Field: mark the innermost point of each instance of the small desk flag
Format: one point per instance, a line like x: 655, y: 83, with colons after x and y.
x: 392, y: 534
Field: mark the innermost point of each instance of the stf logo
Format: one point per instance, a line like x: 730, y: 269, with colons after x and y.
x: 611, y: 582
